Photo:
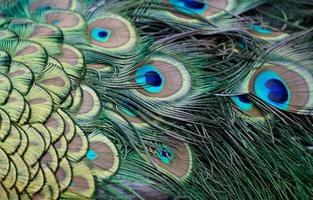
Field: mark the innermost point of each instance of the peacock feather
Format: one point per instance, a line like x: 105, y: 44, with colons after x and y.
x: 156, y: 99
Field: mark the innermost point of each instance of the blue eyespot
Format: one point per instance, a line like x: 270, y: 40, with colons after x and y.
x: 165, y: 154
x: 150, y: 78
x: 100, y: 34
x: 193, y: 4
x: 91, y: 155
x: 126, y: 108
x: 55, y: 22
x: 72, y: 184
x: 261, y: 29
x: 277, y: 91
x: 153, y: 78
x: 244, y: 99
x: 189, y: 6
x: 44, y: 7
x: 242, y: 102
x: 271, y: 88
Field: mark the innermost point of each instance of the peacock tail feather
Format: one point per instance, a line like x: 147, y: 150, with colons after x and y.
x: 156, y: 99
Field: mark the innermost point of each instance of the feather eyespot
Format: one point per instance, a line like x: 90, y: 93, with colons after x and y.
x: 189, y: 6
x: 266, y: 33
x: 243, y: 104
x: 150, y: 78
x: 65, y: 20
x: 112, y: 32
x: 55, y: 22
x: 102, y: 156
x: 270, y: 87
x: 91, y: 155
x: 163, y: 78
x: 192, y: 4
x: 284, y: 86
x: 173, y: 157
x: 43, y: 5
x: 100, y: 34
x: 165, y: 154
x: 277, y: 90
x: 205, y: 8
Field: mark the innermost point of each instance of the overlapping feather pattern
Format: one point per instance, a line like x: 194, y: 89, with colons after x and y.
x: 156, y: 99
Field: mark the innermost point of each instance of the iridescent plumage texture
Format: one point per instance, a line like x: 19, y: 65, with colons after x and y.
x: 156, y: 99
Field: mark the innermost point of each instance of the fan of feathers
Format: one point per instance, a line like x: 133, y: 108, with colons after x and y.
x: 156, y: 99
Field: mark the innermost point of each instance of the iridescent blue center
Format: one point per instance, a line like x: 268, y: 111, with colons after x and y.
x: 244, y: 99
x: 242, y: 102
x: 44, y: 7
x: 55, y: 22
x: 100, y: 34
x: 189, y: 6
x: 271, y: 88
x: 103, y: 34
x: 194, y: 4
x: 91, y: 155
x: 153, y: 78
x: 277, y: 91
x: 261, y: 29
x: 165, y: 154
x: 150, y: 78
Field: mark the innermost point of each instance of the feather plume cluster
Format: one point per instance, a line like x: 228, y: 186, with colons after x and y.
x: 156, y: 99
